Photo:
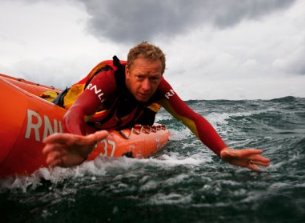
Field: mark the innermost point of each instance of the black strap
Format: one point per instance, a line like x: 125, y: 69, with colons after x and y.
x: 59, y: 100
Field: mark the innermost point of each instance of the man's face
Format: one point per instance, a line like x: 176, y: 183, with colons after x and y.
x: 143, y: 78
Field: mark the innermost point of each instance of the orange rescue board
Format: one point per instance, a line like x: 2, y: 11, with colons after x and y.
x: 27, y: 118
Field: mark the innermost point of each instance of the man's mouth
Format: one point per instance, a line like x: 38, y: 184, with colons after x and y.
x: 143, y: 95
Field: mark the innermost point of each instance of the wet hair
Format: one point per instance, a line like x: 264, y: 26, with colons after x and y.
x: 147, y: 51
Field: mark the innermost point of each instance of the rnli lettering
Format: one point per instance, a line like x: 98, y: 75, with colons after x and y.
x: 97, y: 91
x: 40, y: 126
x: 169, y: 94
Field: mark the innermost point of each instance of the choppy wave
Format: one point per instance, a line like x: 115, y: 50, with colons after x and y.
x: 185, y: 182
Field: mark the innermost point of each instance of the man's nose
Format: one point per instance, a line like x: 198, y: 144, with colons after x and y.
x: 146, y: 85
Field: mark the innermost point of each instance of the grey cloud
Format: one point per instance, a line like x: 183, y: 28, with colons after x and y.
x: 296, y: 63
x: 136, y: 20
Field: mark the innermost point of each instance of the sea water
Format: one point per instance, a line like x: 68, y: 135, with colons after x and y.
x: 185, y: 182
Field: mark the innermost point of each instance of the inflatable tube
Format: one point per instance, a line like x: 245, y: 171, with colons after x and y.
x: 26, y: 119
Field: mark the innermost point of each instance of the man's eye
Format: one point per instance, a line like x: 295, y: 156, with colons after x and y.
x: 140, y: 77
x: 154, y: 79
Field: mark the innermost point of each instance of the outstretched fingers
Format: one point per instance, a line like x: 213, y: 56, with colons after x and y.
x: 247, y: 152
x: 67, y: 139
x: 95, y: 137
x: 58, y: 138
x: 249, y: 158
x: 65, y: 149
x: 259, y: 160
x: 52, y: 147
x: 254, y: 167
x: 54, y: 159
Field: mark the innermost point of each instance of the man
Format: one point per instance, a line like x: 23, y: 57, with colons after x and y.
x: 118, y: 94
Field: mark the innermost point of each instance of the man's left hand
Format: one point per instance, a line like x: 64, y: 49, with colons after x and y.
x: 249, y: 158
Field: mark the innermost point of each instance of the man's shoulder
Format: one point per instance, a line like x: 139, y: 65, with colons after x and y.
x: 109, y: 64
x: 164, y: 85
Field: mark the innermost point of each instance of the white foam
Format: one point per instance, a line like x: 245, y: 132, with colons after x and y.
x: 221, y: 118
x: 149, y: 185
x: 177, y: 135
x: 172, y: 198
x: 103, y: 165
x: 175, y: 159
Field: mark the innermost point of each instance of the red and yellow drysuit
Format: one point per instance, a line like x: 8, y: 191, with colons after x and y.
x: 102, y: 100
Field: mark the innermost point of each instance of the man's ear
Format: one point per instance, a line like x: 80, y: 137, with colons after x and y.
x: 127, y: 72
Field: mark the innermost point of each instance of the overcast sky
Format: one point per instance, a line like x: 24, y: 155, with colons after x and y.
x: 216, y: 49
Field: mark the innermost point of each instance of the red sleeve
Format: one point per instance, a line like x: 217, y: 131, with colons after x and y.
x: 101, y: 86
x: 194, y: 121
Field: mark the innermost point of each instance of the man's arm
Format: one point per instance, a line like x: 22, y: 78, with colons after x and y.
x: 91, y: 100
x: 74, y: 120
x: 72, y: 147
x: 195, y: 122
x: 249, y: 158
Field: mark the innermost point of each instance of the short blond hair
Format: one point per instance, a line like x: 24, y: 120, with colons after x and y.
x: 147, y: 51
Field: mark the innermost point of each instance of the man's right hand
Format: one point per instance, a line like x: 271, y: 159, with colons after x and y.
x: 66, y: 150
